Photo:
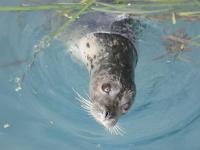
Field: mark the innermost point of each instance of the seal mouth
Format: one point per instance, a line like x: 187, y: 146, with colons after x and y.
x: 110, y: 125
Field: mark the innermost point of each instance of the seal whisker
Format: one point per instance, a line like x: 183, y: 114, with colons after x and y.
x: 120, y: 130
x: 110, y: 130
x: 116, y: 130
x: 85, y: 103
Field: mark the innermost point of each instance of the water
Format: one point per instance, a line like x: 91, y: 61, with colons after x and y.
x: 41, y: 111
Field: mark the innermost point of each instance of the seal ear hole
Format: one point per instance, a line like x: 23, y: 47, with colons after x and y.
x: 106, y: 87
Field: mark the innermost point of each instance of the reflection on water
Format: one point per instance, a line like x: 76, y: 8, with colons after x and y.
x: 44, y: 113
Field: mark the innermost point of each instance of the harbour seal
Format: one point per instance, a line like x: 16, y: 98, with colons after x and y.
x: 110, y: 58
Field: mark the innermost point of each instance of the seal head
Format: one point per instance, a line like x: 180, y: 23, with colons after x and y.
x: 110, y: 59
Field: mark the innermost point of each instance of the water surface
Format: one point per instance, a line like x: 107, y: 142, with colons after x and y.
x: 44, y: 114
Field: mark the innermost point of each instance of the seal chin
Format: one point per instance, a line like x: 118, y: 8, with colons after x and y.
x: 106, y: 123
x: 110, y: 125
x: 100, y: 118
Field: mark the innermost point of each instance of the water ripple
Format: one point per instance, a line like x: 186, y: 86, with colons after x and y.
x: 44, y: 114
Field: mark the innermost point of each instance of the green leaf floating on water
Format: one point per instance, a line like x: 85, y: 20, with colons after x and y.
x: 73, y: 18
x: 46, y: 40
x: 41, y: 7
x: 150, y: 8
x: 182, y: 8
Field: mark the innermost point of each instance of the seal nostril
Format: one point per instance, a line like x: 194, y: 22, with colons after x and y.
x: 107, y: 115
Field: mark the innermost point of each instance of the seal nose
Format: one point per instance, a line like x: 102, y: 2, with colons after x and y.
x: 109, y: 114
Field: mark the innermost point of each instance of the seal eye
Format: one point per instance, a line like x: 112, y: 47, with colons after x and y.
x: 106, y: 88
x: 125, y: 107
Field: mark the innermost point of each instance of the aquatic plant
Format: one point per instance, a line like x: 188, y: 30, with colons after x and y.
x: 161, y: 10
x: 155, y: 9
x: 177, y: 43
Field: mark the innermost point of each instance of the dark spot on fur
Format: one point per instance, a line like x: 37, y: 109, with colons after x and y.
x: 92, y: 66
x: 94, y: 56
x: 89, y: 59
x: 88, y: 45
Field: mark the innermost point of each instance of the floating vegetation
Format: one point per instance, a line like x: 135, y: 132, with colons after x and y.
x: 161, y: 10
x: 181, y: 7
x: 150, y: 8
x: 177, y: 43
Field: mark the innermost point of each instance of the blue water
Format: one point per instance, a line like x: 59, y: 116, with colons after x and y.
x: 44, y: 114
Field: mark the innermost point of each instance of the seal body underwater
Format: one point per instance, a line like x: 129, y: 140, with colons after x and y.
x: 110, y: 57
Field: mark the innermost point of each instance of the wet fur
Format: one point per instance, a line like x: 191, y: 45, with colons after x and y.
x: 110, y: 57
